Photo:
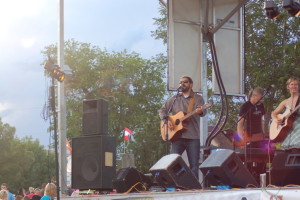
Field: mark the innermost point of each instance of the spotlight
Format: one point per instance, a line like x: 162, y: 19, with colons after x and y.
x: 292, y: 7
x: 54, y: 71
x: 272, y: 11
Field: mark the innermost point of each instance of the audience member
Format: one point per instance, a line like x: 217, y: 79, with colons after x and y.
x: 50, y: 192
x: 19, y: 197
x: 31, y: 192
x: 37, y: 194
x: 3, y: 195
x: 69, y: 190
x: 10, y: 195
x: 21, y: 192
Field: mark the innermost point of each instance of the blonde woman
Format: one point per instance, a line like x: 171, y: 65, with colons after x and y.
x: 291, y: 142
x: 50, y: 192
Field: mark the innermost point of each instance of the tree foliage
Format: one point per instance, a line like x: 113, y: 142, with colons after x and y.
x: 272, y: 53
x: 24, y: 162
x: 134, y: 88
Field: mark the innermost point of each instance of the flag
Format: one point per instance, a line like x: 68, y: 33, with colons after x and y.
x: 127, y: 133
x: 68, y: 146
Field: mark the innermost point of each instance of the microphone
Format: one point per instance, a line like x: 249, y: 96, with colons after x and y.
x: 180, y: 86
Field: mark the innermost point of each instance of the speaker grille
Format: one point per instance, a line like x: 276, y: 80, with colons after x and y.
x: 92, y: 167
x: 95, y: 117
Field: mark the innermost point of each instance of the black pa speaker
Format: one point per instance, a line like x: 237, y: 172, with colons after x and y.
x: 224, y: 139
x: 224, y: 167
x: 95, y: 117
x: 172, y: 171
x: 93, y: 162
x: 285, y: 169
x: 128, y: 178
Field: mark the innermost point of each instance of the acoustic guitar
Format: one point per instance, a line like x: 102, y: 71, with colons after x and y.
x: 278, y: 132
x: 179, y: 122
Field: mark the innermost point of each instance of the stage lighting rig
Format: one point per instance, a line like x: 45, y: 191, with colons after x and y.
x: 272, y: 11
x: 54, y: 71
x: 292, y: 7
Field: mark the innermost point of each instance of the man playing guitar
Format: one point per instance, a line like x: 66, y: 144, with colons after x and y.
x: 186, y: 101
x: 250, y: 122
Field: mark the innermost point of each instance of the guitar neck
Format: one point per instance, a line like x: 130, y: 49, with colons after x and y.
x: 295, y: 109
x: 188, y: 115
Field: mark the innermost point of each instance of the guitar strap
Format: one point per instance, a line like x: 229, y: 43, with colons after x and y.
x: 191, y: 103
x: 298, y: 101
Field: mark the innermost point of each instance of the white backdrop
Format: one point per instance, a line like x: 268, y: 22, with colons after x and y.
x: 186, y: 19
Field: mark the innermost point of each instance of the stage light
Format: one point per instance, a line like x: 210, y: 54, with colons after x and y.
x: 272, y: 11
x: 292, y: 7
x: 54, y: 71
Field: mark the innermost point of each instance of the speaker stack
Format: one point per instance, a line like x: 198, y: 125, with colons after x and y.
x: 172, y: 171
x: 94, y: 153
x: 224, y: 167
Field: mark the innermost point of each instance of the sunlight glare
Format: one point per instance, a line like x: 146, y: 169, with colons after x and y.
x: 12, y: 11
x: 28, y: 42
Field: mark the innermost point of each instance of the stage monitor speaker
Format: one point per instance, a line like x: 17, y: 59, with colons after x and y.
x: 172, y: 171
x: 285, y: 169
x: 224, y: 167
x: 93, y: 162
x: 130, y: 177
x: 224, y: 139
x: 95, y: 117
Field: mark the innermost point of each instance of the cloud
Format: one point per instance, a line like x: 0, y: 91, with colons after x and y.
x: 114, y: 25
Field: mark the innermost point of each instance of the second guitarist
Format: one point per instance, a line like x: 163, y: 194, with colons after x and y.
x: 250, y: 124
x: 186, y: 101
x: 291, y: 140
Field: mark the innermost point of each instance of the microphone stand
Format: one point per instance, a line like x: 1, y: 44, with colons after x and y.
x: 166, y: 119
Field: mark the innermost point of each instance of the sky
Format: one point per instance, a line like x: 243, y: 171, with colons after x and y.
x: 26, y: 27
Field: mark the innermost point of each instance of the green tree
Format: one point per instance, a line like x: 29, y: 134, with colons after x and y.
x: 23, y: 162
x: 271, y: 51
x: 133, y: 86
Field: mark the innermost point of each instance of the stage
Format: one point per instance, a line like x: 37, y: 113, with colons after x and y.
x: 270, y: 193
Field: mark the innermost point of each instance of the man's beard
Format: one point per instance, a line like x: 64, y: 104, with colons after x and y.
x: 185, y: 89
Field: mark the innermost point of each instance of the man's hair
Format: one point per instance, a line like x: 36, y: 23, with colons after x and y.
x: 187, y: 77
x: 257, y: 90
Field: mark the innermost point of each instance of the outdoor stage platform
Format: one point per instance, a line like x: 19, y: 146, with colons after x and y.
x: 270, y: 193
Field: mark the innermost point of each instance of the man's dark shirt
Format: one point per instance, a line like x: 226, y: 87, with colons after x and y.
x: 253, y: 123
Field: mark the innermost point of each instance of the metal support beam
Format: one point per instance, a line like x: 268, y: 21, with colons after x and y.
x: 163, y: 3
x: 61, y: 103
x: 216, y: 28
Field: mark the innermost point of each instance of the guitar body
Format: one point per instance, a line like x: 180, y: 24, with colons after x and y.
x: 242, y: 139
x: 278, y: 132
x: 177, y: 124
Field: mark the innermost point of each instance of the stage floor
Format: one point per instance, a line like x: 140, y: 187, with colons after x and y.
x: 278, y: 193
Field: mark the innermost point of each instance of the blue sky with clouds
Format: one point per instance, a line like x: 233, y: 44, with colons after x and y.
x: 28, y: 26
